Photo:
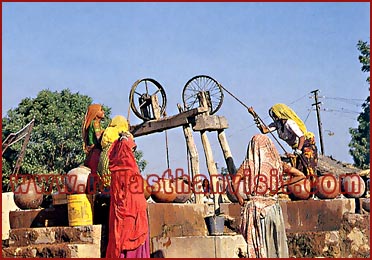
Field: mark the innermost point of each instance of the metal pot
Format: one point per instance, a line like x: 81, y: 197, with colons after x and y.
x: 76, y: 179
x: 28, y: 195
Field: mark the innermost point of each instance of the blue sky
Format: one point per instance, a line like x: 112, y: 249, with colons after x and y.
x: 264, y: 53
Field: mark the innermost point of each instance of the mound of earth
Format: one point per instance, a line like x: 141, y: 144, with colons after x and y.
x: 327, y: 164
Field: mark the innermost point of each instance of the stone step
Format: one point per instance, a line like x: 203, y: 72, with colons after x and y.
x: 55, y: 235
x: 199, y: 247
x: 177, y: 220
x: 64, y: 250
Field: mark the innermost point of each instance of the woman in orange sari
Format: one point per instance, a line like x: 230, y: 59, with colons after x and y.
x: 128, y: 223
x: 262, y: 223
x: 92, y: 133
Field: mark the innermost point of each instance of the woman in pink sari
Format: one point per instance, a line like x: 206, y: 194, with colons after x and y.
x: 128, y: 223
x: 262, y: 223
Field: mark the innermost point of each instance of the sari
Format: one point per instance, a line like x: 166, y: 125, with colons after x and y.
x: 91, y: 144
x: 262, y: 223
x: 308, y: 161
x: 128, y: 222
x: 118, y: 124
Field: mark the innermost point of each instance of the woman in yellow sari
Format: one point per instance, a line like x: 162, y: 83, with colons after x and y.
x: 118, y: 125
x: 292, y: 130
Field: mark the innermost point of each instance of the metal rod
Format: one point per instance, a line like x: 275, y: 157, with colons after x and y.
x: 166, y: 147
x: 281, y: 146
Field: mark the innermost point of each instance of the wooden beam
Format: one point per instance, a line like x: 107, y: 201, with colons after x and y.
x: 226, y: 152
x: 210, y: 123
x: 194, y: 161
x: 165, y: 123
x: 212, y: 169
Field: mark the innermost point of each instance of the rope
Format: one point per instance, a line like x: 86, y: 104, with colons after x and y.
x: 254, y: 115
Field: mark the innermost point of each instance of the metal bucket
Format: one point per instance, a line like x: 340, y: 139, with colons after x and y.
x: 215, y: 225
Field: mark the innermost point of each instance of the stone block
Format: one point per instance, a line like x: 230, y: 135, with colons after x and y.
x: 55, y: 235
x: 210, y: 122
x: 53, y: 251
x: 199, y: 247
x: 315, y: 215
x: 314, y: 244
x: 230, y: 246
x: 355, y: 235
x: 305, y: 215
x: 85, y: 251
x: 176, y: 220
x: 7, y: 205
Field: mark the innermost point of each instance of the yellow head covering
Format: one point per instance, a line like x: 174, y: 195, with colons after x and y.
x: 282, y: 111
x: 117, y: 125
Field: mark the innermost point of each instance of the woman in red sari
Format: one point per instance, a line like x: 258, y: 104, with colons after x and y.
x: 128, y: 223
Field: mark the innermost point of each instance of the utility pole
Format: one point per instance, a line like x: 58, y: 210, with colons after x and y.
x: 316, y: 104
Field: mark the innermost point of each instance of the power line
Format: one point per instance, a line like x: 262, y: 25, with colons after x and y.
x: 340, y: 98
x: 342, y: 110
x: 352, y: 101
x: 308, y: 114
x: 299, y: 99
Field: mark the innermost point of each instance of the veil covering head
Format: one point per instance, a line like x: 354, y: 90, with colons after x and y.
x: 263, y: 159
x: 91, y: 113
x: 117, y: 125
x: 282, y: 111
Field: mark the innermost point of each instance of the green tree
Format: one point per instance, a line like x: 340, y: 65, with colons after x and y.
x: 55, y: 144
x: 360, y: 143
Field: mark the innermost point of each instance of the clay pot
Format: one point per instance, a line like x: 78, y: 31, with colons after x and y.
x: 28, y: 195
x: 299, y: 189
x: 146, y: 189
x: 327, y: 187
x: 163, y: 191
x: 353, y: 186
x: 183, y: 191
x: 76, y: 179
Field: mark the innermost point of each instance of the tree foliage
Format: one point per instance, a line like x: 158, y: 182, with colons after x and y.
x: 360, y: 143
x: 55, y: 145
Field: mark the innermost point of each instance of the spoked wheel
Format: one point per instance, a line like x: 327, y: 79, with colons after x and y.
x: 141, y: 98
x: 202, y: 83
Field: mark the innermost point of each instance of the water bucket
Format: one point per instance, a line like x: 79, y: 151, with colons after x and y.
x: 80, y: 208
x: 215, y: 225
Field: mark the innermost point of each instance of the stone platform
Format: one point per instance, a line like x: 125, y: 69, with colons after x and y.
x: 54, y: 242
x: 315, y: 228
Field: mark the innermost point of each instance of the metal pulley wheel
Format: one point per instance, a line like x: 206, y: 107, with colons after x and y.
x: 202, y: 83
x: 142, y: 96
